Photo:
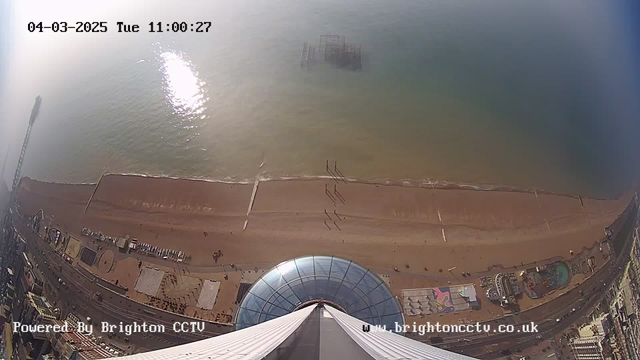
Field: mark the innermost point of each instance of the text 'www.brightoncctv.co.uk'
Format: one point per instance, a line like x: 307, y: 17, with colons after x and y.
x: 437, y: 328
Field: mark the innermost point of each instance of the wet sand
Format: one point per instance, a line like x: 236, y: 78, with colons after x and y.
x: 379, y: 226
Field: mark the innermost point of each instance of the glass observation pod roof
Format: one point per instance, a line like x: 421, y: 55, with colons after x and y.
x: 342, y: 283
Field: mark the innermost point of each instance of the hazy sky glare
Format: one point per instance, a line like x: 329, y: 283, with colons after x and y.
x: 5, y: 38
x: 25, y: 53
x: 28, y: 58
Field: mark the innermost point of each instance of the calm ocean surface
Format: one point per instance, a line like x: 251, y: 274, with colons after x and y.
x: 526, y: 94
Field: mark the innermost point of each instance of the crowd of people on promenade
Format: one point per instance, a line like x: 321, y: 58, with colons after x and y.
x: 168, y: 305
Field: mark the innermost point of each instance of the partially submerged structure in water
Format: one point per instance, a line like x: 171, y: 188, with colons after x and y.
x: 336, y: 51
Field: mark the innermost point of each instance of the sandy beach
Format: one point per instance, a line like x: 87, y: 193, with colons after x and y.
x: 381, y: 226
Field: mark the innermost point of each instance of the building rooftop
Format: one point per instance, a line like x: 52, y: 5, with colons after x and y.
x: 587, y: 340
x: 595, y: 327
x: 42, y: 306
x: 70, y: 342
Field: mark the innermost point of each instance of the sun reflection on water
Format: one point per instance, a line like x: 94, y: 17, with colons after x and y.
x: 184, y: 90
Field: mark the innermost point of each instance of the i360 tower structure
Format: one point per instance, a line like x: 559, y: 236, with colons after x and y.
x: 16, y: 178
x: 7, y: 248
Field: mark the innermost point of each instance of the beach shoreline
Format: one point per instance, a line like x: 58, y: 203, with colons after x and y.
x: 429, y: 184
x: 305, y: 215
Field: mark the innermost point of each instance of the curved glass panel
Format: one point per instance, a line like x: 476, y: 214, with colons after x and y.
x: 358, y: 291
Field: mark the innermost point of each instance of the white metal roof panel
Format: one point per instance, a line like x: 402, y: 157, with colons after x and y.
x: 385, y: 345
x: 255, y: 342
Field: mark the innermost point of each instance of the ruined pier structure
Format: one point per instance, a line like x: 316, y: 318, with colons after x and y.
x: 336, y: 51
